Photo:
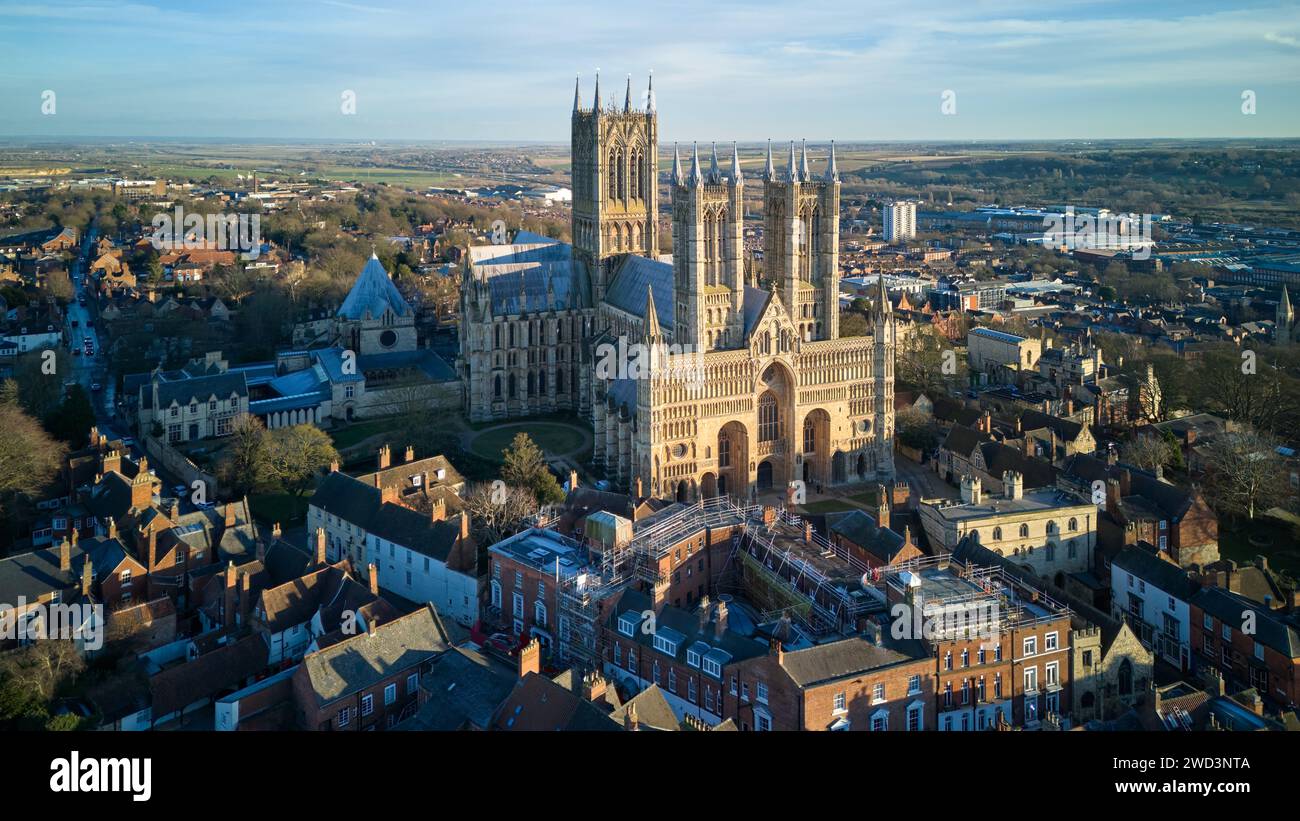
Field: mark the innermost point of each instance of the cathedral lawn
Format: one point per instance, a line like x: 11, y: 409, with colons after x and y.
x: 282, y: 508
x: 553, y: 438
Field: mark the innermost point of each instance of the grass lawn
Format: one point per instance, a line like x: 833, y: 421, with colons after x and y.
x: 358, y: 432
x: 279, y: 507
x: 1283, y: 552
x: 549, y: 437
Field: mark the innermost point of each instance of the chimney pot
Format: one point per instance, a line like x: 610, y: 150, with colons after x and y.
x: 65, y: 556
x: 320, y: 547
x: 373, y: 572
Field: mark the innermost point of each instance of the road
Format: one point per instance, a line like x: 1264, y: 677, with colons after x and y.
x: 923, y: 481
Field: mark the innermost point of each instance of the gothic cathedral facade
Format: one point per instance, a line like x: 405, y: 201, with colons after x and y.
x: 698, y: 382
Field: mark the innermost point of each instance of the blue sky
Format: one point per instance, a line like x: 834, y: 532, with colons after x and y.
x: 504, y: 70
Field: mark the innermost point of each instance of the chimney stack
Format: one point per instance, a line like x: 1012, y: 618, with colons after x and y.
x: 639, y: 493
x: 464, y: 525
x: 594, y: 687
x: 245, y: 596
x: 334, y: 466
x: 704, y: 612
x: 87, y: 577
x: 630, y: 722
x: 230, y: 514
x: 275, y: 531
x: 228, y: 614
x: 65, y: 555
x: 719, y: 620
x: 882, y: 507
x: 112, y: 528
x: 438, y: 510
x: 320, y: 547
x: 573, y: 480
x: 409, y: 455
x: 530, y: 658
x: 373, y: 572
x: 385, y: 457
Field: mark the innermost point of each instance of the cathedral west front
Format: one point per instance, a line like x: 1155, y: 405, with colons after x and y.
x: 748, y: 387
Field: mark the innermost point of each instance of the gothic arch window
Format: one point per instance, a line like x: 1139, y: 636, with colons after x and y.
x: 622, y: 176
x: 635, y: 170
x: 1073, y: 525
x: 496, y: 386
x: 1024, y: 531
x: 1051, y: 552
x: 613, y: 174
x: 997, y: 534
x: 541, y: 382
x: 510, y: 386
x: 809, y: 435
x: 724, y: 451
x: 559, y: 381
x: 1125, y: 678
x: 769, y: 420
x: 1051, y: 528
x: 532, y: 384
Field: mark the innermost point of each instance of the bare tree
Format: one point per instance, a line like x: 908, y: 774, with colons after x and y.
x: 1245, y: 473
x: 1148, y: 452
x: 497, y: 510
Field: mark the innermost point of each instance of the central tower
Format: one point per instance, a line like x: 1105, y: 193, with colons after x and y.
x: 615, y: 169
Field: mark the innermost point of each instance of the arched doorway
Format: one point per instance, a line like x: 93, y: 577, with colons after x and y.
x: 839, y: 468
x: 814, y: 443
x: 733, y: 458
x: 765, y: 475
x: 862, y: 466
x: 709, y: 486
x: 683, y: 491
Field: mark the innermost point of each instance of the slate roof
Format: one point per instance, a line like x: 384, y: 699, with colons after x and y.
x: 364, y: 660
x: 863, y: 530
x: 630, y: 288
x: 837, y: 660
x: 1037, y: 420
x: 1272, y: 629
x: 685, y: 623
x: 223, y: 668
x: 1172, y: 500
x: 361, y: 504
x: 373, y: 294
x: 465, y: 689
x: 653, y: 712
x: 538, y: 703
x: 1171, y: 579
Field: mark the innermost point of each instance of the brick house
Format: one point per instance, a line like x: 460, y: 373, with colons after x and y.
x: 851, y: 684
x: 1247, y: 643
x: 371, y: 680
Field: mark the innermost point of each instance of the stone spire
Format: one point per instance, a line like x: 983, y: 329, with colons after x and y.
x: 803, y: 162
x: 627, y: 100
x: 652, y: 330
x: 883, y: 308
x: 792, y: 173
x: 832, y: 170
x: 696, y: 176
x: 769, y: 170
x: 677, y: 167
x: 595, y: 105
x: 715, y: 173
x: 650, y: 94
x: 577, y: 93
x: 736, y: 176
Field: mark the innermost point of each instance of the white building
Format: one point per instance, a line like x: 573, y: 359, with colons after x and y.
x: 1151, y: 594
x: 900, y: 221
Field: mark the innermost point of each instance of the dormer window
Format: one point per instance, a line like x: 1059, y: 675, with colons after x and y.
x: 665, y: 645
x: 627, y: 623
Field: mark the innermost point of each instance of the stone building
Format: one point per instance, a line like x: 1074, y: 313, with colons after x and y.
x: 698, y: 383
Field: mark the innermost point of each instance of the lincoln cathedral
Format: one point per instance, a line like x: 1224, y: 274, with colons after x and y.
x: 773, y: 393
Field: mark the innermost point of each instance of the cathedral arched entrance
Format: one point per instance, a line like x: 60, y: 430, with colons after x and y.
x: 765, y: 475
x: 813, y: 441
x: 862, y: 466
x: 733, y: 458
x: 839, y: 468
x: 683, y: 491
x: 709, y: 486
